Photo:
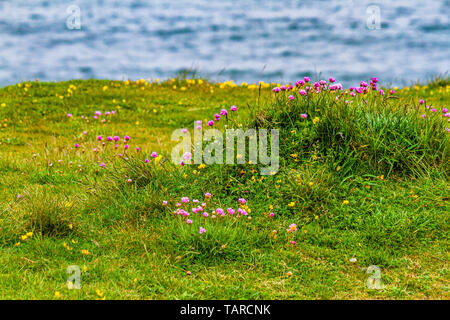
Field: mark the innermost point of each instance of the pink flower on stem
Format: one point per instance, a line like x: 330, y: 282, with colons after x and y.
x: 202, y: 230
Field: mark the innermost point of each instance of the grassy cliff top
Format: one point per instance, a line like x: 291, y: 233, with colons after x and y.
x: 363, y: 180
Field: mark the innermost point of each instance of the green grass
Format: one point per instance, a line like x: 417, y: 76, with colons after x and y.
x: 381, y: 156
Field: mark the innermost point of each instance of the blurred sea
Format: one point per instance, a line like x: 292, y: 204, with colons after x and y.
x: 248, y: 40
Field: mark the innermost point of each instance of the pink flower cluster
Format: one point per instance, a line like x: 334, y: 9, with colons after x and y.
x: 198, y: 211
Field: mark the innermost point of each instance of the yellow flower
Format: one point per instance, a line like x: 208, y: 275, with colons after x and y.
x: 289, y: 274
x: 57, y: 295
x: 316, y: 120
x: 345, y: 202
x: 105, y: 88
x: 85, y: 252
x: 291, y: 204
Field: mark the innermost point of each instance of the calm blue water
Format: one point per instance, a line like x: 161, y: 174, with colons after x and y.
x: 247, y: 40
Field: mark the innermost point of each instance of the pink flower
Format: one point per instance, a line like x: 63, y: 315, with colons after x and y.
x: 202, y: 230
x: 195, y: 201
x: 205, y: 214
x: 233, y: 108
x: 424, y: 116
x: 217, y: 117
x: 220, y: 211
x: 208, y: 195
x: 242, y: 211
x: 421, y: 101
x: 154, y: 154
x: 84, y: 132
x: 126, y: 146
x: 99, y: 138
x: 231, y: 211
x: 184, y: 130
x: 185, y: 199
x: 188, y: 273
x: 164, y: 203
x: 137, y: 149
x: 189, y: 221
x: 109, y: 138
x: 444, y: 110
x: 187, y: 156
x: 116, y: 138
x: 304, y: 116
x: 242, y: 201
x: 147, y: 161
x: 98, y: 113
x: 126, y: 138
x: 433, y: 110
x: 223, y: 112
x: 291, y: 97
x: 272, y: 214
x: 210, y: 123
x: 292, y: 228
x: 129, y: 180
x: 276, y: 90
x: 332, y: 79
x: 307, y: 79
x: 76, y: 145
x: 102, y: 164
x: 293, y: 242
x: 69, y: 115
